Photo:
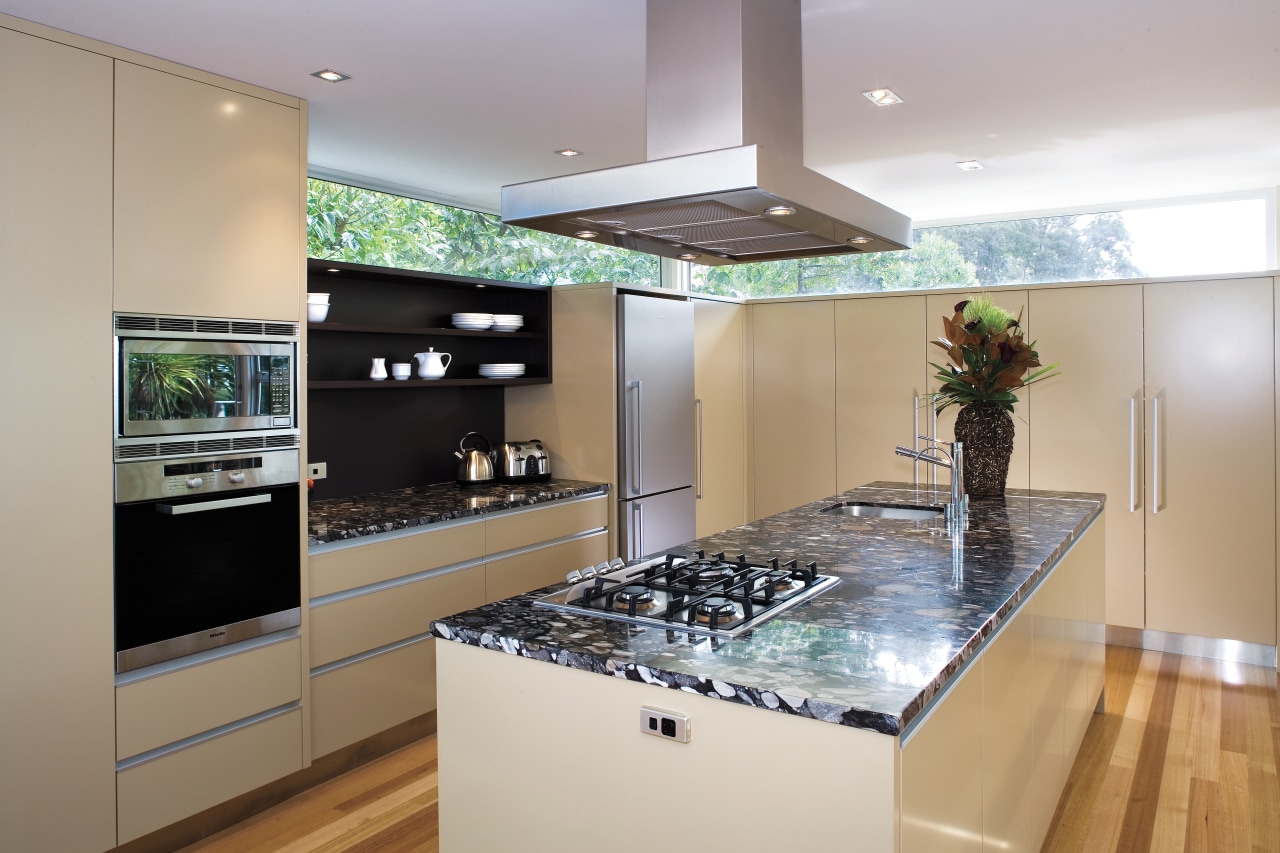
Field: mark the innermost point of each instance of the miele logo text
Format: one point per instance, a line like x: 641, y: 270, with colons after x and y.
x: 218, y: 634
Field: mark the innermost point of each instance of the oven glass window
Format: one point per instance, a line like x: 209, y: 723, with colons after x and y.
x: 201, y: 386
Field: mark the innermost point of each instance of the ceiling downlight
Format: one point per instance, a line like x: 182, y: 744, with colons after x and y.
x: 882, y: 97
x: 330, y: 76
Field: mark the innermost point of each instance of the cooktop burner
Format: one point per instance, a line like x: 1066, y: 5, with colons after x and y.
x: 708, y: 595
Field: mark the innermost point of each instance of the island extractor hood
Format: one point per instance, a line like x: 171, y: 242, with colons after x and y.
x: 725, y: 181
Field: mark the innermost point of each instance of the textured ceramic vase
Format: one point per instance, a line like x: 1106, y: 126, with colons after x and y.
x: 986, y: 430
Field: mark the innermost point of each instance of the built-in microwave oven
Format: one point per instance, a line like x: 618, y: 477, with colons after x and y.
x: 186, y: 385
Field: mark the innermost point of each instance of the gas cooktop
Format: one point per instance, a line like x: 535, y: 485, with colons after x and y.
x: 718, y: 596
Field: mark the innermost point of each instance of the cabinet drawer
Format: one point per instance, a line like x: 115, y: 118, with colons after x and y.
x: 158, y: 792
x: 156, y: 711
x: 348, y: 568
x: 357, y: 624
x: 542, y: 524
x: 542, y: 567
x: 353, y: 702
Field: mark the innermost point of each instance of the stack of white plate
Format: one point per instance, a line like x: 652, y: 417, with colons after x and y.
x: 507, y: 322
x: 475, y: 322
x: 501, y: 371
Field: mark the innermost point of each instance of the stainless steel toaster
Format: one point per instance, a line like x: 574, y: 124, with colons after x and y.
x: 523, y: 462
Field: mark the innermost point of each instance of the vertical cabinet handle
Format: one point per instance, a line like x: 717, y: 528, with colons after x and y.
x: 637, y: 530
x: 637, y: 452
x: 697, y: 404
x: 1133, y: 454
x: 1155, y: 454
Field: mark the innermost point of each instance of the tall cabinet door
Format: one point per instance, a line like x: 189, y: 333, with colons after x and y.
x: 878, y: 377
x: 1089, y: 422
x: 793, y: 410
x: 941, y: 305
x: 1210, y: 446
x: 57, y: 702
x: 718, y: 352
x: 208, y: 199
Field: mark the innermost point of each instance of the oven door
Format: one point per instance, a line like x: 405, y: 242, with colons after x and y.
x: 167, y: 387
x: 197, y: 573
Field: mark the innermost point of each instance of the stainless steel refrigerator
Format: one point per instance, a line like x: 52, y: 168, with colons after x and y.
x: 655, y: 424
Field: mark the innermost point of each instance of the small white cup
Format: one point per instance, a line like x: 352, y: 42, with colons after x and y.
x: 317, y: 311
x: 401, y: 370
x: 317, y: 299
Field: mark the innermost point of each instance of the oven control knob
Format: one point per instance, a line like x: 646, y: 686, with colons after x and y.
x: 194, y: 482
x: 235, y: 478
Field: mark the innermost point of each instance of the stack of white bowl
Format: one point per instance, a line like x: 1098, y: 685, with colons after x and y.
x: 317, y: 307
x: 501, y: 371
x: 475, y: 322
x: 507, y: 322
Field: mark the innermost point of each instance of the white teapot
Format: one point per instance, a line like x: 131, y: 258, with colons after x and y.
x: 431, y: 364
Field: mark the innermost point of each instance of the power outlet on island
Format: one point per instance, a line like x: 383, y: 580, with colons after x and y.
x: 317, y: 470
x: 664, y: 724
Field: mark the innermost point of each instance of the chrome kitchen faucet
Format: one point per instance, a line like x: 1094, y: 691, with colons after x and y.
x: 958, y: 508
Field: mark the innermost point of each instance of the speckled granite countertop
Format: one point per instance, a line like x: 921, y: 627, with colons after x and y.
x: 385, y: 512
x: 872, y: 652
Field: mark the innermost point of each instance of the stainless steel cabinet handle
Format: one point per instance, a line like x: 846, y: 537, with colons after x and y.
x: 637, y: 449
x: 1155, y: 454
x: 1133, y: 437
x: 206, y: 506
x: 697, y: 403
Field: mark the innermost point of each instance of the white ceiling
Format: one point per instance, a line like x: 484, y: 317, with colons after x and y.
x: 1066, y: 104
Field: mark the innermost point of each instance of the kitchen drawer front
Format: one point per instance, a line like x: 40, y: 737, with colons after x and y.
x: 156, y: 793
x: 542, y: 566
x: 361, y: 565
x: 349, y: 626
x: 155, y: 711
x: 352, y: 702
x: 529, y: 527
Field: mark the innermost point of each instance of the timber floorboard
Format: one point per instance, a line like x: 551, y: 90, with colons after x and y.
x: 1185, y: 758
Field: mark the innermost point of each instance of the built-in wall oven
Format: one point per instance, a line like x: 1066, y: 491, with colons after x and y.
x: 207, y: 485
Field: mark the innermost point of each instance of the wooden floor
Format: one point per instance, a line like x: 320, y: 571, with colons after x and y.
x: 1184, y: 759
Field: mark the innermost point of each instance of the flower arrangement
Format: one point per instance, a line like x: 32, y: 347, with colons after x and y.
x: 988, y: 354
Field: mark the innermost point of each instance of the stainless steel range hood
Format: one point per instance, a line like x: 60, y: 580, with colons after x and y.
x: 725, y: 181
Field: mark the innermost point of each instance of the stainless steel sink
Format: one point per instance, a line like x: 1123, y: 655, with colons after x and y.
x: 900, y: 512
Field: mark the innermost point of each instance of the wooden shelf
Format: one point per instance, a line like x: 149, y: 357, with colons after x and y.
x: 417, y: 331
x: 351, y: 384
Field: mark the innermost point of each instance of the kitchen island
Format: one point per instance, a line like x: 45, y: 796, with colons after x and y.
x: 934, y: 699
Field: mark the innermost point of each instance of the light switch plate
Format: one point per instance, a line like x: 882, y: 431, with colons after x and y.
x: 665, y: 724
x: 317, y: 470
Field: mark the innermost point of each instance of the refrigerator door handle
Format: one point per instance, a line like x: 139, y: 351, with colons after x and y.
x: 637, y: 446
x: 637, y: 529
x: 698, y: 406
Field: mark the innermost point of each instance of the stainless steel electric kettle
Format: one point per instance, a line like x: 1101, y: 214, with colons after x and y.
x: 475, y: 466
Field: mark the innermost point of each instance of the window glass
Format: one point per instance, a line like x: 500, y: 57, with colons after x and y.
x: 1190, y: 239
x: 366, y: 227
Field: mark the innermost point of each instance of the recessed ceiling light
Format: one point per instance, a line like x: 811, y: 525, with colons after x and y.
x: 969, y: 165
x: 333, y: 270
x: 882, y: 97
x: 780, y: 210
x: 479, y: 286
x: 331, y: 75
x: 610, y: 223
x: 586, y: 235
x: 568, y: 152
x: 689, y: 256
x: 858, y: 241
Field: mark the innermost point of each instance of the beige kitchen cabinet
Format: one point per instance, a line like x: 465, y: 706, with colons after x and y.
x: 1210, y: 450
x: 719, y: 348
x: 878, y: 377
x: 209, y: 189
x: 792, y: 436
x: 158, y: 790
x: 1089, y: 422
x: 939, y: 305
x: 56, y: 626
x: 372, y: 659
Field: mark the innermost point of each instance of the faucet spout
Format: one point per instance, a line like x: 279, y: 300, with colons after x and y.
x: 958, y: 508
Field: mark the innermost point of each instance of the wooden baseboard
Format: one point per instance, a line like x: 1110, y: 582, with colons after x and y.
x: 214, y: 820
